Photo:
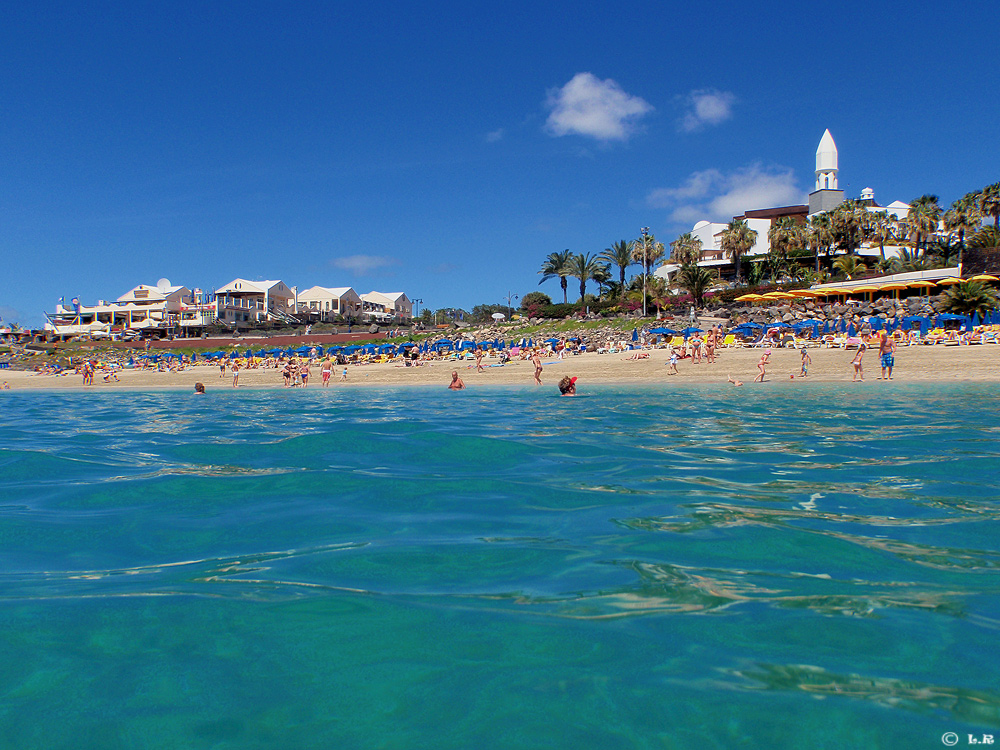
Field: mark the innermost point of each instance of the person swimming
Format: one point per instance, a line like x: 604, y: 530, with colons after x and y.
x: 567, y: 386
x: 456, y: 383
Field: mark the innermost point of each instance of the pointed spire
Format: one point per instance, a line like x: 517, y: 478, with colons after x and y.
x: 826, y: 154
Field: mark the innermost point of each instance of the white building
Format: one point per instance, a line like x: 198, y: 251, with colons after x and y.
x: 243, y: 301
x: 826, y: 196
x: 326, y: 303
x: 387, y: 305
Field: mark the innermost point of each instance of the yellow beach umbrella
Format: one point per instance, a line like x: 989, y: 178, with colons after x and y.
x: 921, y: 284
x: 782, y: 295
x: 863, y: 289
x: 984, y: 277
x: 750, y: 298
x: 950, y: 281
x: 897, y: 288
x: 804, y: 293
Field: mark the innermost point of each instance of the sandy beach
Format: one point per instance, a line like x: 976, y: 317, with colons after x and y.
x: 916, y: 363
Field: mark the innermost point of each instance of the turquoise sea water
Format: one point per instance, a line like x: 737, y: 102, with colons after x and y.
x: 812, y: 566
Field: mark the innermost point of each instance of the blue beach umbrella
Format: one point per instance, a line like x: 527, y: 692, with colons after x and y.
x: 925, y: 326
x: 662, y: 331
x: 975, y: 319
x: 635, y: 334
x: 826, y: 326
x: 876, y: 324
x: 852, y: 331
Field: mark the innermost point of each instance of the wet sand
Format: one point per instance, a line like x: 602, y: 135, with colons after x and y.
x: 917, y: 363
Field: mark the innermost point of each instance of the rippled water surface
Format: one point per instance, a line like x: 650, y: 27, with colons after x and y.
x: 814, y: 566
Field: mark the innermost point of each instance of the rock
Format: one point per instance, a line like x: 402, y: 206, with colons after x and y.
x: 840, y: 309
x: 787, y: 317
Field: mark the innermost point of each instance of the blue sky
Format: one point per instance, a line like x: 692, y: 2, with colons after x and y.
x: 445, y: 149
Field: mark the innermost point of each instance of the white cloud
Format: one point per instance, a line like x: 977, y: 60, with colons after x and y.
x: 706, y: 107
x: 495, y: 135
x: 362, y: 264
x: 592, y: 107
x: 716, y: 196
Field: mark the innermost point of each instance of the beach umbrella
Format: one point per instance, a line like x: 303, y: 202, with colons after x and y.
x: 925, y: 326
x: 498, y: 316
x: 635, y: 334
x: 876, y: 324
x: 975, y: 319
x: 688, y: 331
x: 750, y: 298
x: 984, y: 277
x: 662, y: 331
x: 950, y: 281
x: 826, y: 326
x: 851, y: 331
x: 804, y: 293
x: 897, y: 288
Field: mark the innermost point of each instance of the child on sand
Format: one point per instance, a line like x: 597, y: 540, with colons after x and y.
x: 806, y: 361
x: 761, y: 365
x: 673, y: 362
x: 736, y: 383
x: 859, y: 373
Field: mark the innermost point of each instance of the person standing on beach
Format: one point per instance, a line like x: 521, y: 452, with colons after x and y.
x: 859, y: 373
x: 536, y: 360
x: 456, y: 383
x: 710, y: 342
x: 343, y: 376
x: 222, y: 367
x: 326, y: 371
x: 236, y: 373
x: 806, y: 361
x: 479, y: 360
x: 762, y: 365
x: 696, y: 349
x: 886, y: 348
x: 304, y: 372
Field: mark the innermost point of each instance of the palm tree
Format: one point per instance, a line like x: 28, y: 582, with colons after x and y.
x: 989, y: 203
x: 908, y: 260
x: 583, y: 267
x: 922, y: 219
x: 849, y: 265
x: 883, y: 230
x: 821, y: 234
x: 985, y: 237
x: 849, y: 220
x: 696, y: 280
x: 737, y: 239
x: 962, y: 217
x: 648, y: 252
x: 785, y: 236
x: 967, y: 298
x: 557, y: 265
x: 685, y: 249
x: 603, y: 277
x: 620, y: 254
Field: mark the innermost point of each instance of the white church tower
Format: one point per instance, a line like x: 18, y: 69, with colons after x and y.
x: 826, y: 196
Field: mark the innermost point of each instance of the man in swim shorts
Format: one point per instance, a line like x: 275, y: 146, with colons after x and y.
x: 886, y: 349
